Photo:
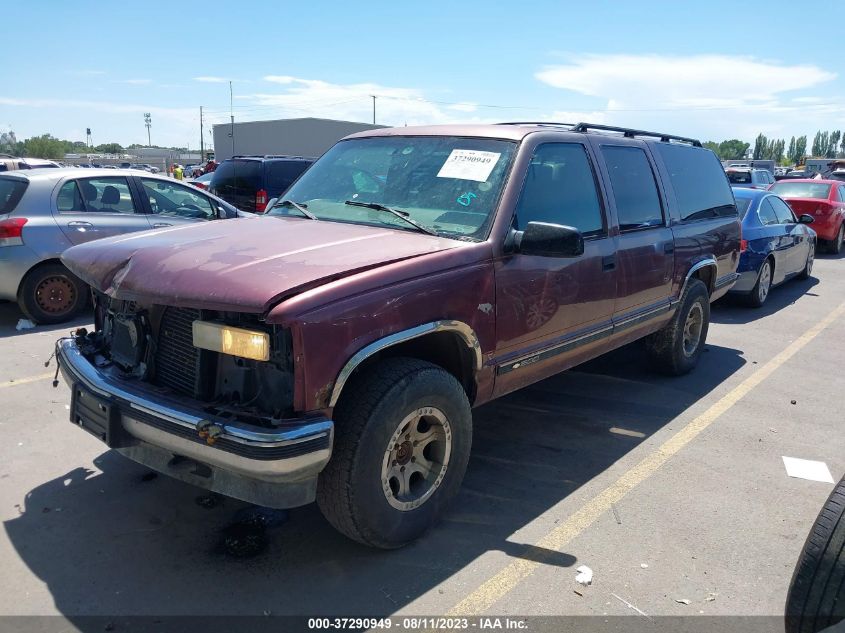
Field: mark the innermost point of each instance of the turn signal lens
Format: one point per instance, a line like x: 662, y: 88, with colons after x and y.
x: 743, y: 246
x: 231, y: 340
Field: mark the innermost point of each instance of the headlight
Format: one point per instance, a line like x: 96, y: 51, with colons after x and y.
x: 231, y: 340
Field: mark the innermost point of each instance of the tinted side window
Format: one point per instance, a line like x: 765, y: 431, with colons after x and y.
x: 634, y: 187
x: 841, y: 193
x: 237, y: 177
x: 767, y: 213
x: 698, y: 180
x: 782, y: 211
x: 282, y: 173
x: 11, y: 192
x: 560, y: 188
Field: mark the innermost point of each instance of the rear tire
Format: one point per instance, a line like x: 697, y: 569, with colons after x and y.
x: 386, y: 422
x: 816, y: 598
x: 808, y: 267
x: 835, y: 245
x: 51, y: 294
x: 760, y: 292
x: 676, y: 348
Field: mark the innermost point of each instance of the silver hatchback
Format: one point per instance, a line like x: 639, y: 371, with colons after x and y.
x: 43, y: 212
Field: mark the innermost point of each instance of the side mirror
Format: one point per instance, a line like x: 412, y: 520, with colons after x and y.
x: 806, y: 218
x: 270, y: 204
x: 549, y: 240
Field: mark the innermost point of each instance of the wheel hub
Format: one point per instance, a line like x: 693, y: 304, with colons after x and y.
x: 55, y: 295
x: 416, y: 458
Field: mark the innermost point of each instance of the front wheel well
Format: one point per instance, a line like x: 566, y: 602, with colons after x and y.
x: 41, y: 264
x: 444, y: 349
x: 707, y: 275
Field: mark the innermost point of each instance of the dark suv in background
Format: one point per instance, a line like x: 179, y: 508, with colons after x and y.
x: 249, y: 182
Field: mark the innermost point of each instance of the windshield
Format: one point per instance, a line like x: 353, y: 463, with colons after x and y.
x: 801, y: 190
x: 450, y: 185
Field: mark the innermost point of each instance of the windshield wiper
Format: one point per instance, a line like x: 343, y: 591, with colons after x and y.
x: 402, y: 215
x: 295, y: 205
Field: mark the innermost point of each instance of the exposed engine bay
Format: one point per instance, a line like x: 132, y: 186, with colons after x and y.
x: 154, y: 344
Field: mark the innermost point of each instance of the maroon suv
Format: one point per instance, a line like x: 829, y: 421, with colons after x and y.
x: 334, y: 348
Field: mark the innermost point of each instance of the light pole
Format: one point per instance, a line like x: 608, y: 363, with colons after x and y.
x: 148, y: 121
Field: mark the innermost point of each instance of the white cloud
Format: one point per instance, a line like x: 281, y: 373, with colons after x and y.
x: 716, y: 96
x: 211, y: 80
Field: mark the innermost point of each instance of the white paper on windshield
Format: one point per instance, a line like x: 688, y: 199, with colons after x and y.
x: 469, y: 164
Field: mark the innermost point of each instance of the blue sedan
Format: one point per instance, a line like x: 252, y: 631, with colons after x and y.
x: 776, y: 245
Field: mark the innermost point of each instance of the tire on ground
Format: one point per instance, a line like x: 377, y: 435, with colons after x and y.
x: 808, y: 265
x: 816, y: 598
x: 666, y: 346
x: 752, y: 299
x: 349, y: 491
x: 28, y: 300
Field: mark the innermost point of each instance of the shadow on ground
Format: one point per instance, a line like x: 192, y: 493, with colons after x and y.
x: 731, y: 309
x: 10, y: 314
x: 121, y: 542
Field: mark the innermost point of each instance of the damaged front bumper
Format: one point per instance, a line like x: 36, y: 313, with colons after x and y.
x: 275, y: 467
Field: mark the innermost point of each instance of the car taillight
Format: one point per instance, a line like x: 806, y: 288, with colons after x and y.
x: 11, y: 231
x: 260, y: 201
x: 743, y: 245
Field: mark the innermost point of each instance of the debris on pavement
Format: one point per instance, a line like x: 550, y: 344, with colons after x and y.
x: 262, y: 517
x: 644, y: 565
x: 630, y: 606
x: 615, y: 513
x: 710, y: 597
x: 807, y: 469
x: 24, y: 324
x: 585, y: 575
x: 578, y: 592
x: 683, y: 600
x: 793, y: 402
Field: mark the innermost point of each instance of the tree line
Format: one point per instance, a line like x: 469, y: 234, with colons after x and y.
x: 825, y: 145
x: 48, y: 146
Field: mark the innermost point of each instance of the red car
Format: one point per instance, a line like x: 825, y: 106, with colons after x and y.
x: 824, y: 200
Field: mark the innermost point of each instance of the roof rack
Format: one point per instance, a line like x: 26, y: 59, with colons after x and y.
x: 631, y: 133
x: 627, y: 132
x: 270, y: 156
x: 538, y: 123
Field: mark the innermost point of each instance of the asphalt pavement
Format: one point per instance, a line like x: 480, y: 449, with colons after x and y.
x: 671, y: 490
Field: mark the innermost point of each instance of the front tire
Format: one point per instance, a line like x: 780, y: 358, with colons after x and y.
x: 402, y: 441
x: 808, y: 267
x: 676, y: 348
x: 51, y: 294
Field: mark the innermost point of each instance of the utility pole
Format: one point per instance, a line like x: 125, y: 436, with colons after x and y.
x: 374, y: 108
x: 202, y: 146
x: 232, y: 117
x: 148, y: 121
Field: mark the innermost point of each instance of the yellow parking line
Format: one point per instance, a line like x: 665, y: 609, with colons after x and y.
x: 24, y: 381
x: 496, y: 587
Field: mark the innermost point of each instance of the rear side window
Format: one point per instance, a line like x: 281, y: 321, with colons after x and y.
x: 767, y: 213
x: 634, y: 187
x: 742, y: 205
x: 698, y: 180
x: 11, y: 191
x: 70, y: 198
x: 237, y: 177
x: 282, y: 173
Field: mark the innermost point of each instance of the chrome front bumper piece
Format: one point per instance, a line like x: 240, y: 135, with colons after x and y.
x: 273, y: 467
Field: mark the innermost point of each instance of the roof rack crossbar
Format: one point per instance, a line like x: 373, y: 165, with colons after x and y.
x: 539, y: 123
x: 631, y: 133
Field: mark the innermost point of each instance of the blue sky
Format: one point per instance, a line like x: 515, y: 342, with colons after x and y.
x: 710, y: 69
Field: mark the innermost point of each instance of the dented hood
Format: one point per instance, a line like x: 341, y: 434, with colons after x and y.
x: 244, y: 265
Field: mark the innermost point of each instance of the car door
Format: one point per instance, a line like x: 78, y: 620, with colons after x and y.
x: 549, y: 309
x: 645, y: 245
x: 101, y: 206
x: 779, y: 240
x: 796, y: 240
x: 172, y: 204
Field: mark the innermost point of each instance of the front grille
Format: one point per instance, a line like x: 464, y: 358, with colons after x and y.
x: 176, y: 357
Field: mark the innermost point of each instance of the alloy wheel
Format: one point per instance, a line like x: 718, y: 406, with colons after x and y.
x: 416, y: 458
x: 765, y: 282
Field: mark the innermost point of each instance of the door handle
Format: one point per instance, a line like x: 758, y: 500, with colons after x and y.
x: 669, y: 247
x: 608, y: 263
x: 158, y: 225
x: 78, y: 224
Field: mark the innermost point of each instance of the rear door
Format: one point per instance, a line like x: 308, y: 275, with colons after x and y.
x: 171, y: 204
x: 89, y: 209
x: 645, y: 245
